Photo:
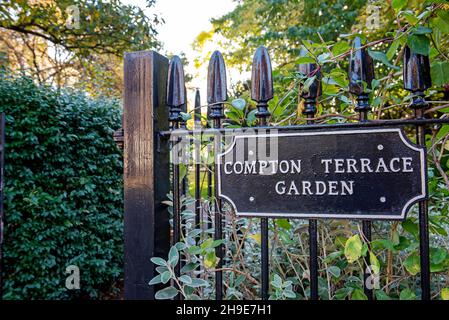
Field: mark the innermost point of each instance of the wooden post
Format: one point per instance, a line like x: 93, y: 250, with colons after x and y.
x: 146, y: 170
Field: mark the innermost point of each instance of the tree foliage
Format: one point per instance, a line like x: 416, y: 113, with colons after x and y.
x: 63, y: 42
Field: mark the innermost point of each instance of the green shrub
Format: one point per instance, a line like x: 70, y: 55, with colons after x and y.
x: 63, y: 192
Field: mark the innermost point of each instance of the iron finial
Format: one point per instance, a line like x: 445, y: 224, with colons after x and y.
x: 416, y: 74
x: 361, y: 70
x: 216, y: 85
x: 314, y: 91
x: 261, y: 81
x: 416, y: 71
x: 176, y: 94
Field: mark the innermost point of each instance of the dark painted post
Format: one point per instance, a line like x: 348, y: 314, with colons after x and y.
x: 176, y: 100
x: 146, y: 170
x: 361, y: 70
x: 262, y: 92
x: 197, y: 123
x: 310, y: 100
x: 416, y: 74
x: 216, y: 97
x: 2, y: 163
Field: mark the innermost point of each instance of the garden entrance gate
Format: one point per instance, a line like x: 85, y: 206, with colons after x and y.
x: 365, y: 170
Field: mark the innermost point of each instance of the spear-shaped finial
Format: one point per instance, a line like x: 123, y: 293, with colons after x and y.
x: 261, y: 82
x: 361, y: 69
x: 311, y: 94
x: 176, y: 94
x: 216, y: 85
x: 416, y: 72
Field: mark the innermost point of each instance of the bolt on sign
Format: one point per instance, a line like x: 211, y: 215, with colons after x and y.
x: 375, y: 174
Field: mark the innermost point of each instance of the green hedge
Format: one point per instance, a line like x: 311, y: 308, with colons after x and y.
x: 63, y: 192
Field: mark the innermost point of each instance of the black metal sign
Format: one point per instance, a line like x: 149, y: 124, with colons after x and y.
x: 375, y: 174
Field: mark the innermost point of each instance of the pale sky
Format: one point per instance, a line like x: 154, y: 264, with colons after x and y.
x: 184, y: 20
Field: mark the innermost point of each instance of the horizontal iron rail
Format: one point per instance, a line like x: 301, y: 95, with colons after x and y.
x: 373, y: 123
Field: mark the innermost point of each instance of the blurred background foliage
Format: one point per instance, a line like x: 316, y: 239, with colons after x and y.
x: 77, y: 43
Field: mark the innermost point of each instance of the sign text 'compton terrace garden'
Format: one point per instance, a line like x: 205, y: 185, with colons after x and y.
x: 366, y: 174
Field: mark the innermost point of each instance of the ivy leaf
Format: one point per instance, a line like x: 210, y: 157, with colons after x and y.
x: 256, y: 237
x: 358, y: 294
x: 381, y: 295
x: 374, y: 263
x: 339, y: 48
x: 419, y: 43
x: 444, y: 294
x: 335, y: 271
x: 410, y: 17
x: 353, y: 248
x: 302, y: 60
x: 210, y: 260
x: 412, y: 264
x: 382, y: 57
x: 158, y: 261
x: 185, y: 116
x: 196, y: 283
x: 155, y: 280
x: 342, y: 293
x: 411, y: 227
x: 421, y: 30
x: 251, y: 117
x: 283, y: 223
x: 438, y: 255
x: 277, y: 281
x: 189, y: 267
x: 289, y: 294
x: 165, y: 277
x: 173, y: 256
x: 407, y: 294
x: 393, y: 48
x: 166, y: 293
x: 439, y: 72
x: 239, y: 103
x: 398, y: 5
x: 441, y: 21
x: 185, y: 279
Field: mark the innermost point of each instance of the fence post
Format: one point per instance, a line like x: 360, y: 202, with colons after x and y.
x: 146, y: 169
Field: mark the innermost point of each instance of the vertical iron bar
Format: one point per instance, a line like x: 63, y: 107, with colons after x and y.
x: 209, y: 172
x: 416, y: 75
x: 423, y: 221
x: 310, y: 96
x: 197, y: 121
x: 218, y: 221
x: 361, y: 70
x: 176, y: 100
x: 216, y: 96
x: 262, y: 92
